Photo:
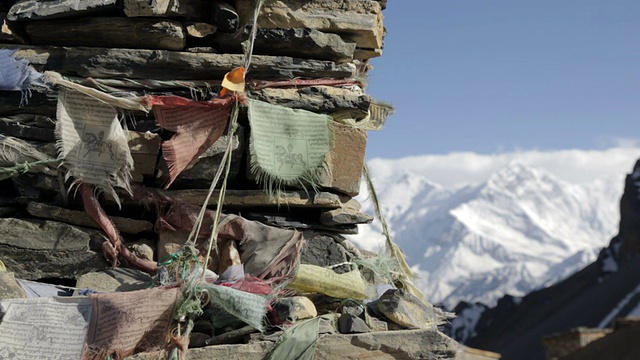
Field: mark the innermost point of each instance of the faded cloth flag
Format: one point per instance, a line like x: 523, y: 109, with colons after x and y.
x: 125, y: 323
x: 197, y: 124
x: 17, y: 74
x: 44, y: 328
x: 288, y: 146
x: 92, y: 143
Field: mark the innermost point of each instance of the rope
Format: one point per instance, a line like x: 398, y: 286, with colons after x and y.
x: 252, y: 37
x: 18, y: 169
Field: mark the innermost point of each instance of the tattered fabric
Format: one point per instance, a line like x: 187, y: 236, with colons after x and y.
x: 266, y: 251
x: 92, y: 144
x: 197, y: 124
x: 288, y: 146
x: 17, y: 74
x: 297, y: 342
x: 126, y: 323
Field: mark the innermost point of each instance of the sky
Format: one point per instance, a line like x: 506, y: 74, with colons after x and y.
x: 503, y: 76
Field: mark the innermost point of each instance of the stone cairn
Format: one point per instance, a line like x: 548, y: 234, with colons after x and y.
x: 60, y: 227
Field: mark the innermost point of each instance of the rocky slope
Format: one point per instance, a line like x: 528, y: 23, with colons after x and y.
x: 606, y: 289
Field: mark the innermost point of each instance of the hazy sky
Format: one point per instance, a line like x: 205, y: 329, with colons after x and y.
x: 493, y: 76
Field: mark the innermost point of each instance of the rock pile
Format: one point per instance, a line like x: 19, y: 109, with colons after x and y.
x: 121, y: 118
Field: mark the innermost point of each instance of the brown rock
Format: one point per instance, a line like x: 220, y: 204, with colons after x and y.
x: 292, y: 309
x: 114, y: 279
x: 358, y: 20
x: 200, y: 30
x: 145, y: 148
x: 9, y: 287
x: 10, y: 32
x: 408, y: 311
x: 344, y: 216
x: 346, y: 160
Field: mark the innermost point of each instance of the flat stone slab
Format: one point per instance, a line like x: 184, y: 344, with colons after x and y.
x: 109, y: 32
x: 153, y: 64
x: 80, y: 218
x: 384, y: 345
x: 297, y: 42
x: 115, y: 279
x: 258, y: 198
x: 24, y: 10
x: 36, y: 249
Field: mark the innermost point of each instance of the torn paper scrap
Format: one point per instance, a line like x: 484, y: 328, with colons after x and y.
x: 197, y: 124
x: 44, y: 328
x: 288, y: 146
x: 129, y: 322
x: 92, y: 143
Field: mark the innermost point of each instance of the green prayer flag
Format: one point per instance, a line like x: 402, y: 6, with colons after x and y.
x: 288, y: 146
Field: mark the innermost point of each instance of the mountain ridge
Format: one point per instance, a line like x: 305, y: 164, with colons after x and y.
x: 512, y: 233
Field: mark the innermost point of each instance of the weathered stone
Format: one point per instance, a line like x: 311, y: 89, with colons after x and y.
x: 345, y: 160
x: 374, y: 323
x: 231, y: 337
x: 39, y: 103
x: 169, y: 243
x: 224, y: 16
x: 299, y: 221
x: 36, y: 249
x: 26, y: 132
x: 114, y: 279
x: 357, y: 20
x: 258, y: 198
x: 31, y: 120
x: 7, y: 211
x: 366, y: 54
x: 351, y: 308
x: 324, y: 250
x: 80, y: 218
x: 351, y: 324
x: 408, y: 311
x: 109, y: 32
x: 9, y: 287
x: 299, y: 42
x: 389, y: 345
x: 145, y: 148
x: 198, y: 339
x: 10, y: 32
x: 144, y: 249
x: 292, y: 309
x: 254, y: 351
x: 323, y: 99
x: 153, y: 64
x: 344, y: 216
x: 200, y: 29
x: 200, y: 175
x: 54, y: 9
x: 193, y: 9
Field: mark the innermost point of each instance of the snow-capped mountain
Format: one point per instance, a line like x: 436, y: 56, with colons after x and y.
x: 521, y: 229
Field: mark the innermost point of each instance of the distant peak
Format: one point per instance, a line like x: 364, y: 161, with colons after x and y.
x: 518, y: 171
